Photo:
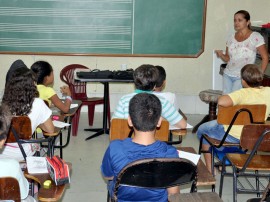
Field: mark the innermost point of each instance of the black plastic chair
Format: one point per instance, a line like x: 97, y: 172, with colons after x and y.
x: 162, y: 173
x: 155, y: 173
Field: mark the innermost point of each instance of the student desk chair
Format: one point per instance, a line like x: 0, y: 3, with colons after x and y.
x: 21, y: 133
x: 121, y: 130
x: 204, y: 177
x: 67, y: 117
x: 9, y: 189
x: 54, y: 193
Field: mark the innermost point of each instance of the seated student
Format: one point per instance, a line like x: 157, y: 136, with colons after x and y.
x: 21, y: 97
x: 144, y: 117
x: 15, y: 65
x: 160, y: 85
x: 251, y: 93
x: 145, y: 78
x: 45, y: 79
x: 11, y: 167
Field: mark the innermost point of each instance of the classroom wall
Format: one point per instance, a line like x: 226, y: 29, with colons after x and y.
x: 185, y: 76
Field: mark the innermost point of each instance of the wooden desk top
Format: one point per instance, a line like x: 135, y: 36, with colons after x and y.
x: 54, y: 193
x: 179, y: 132
x: 56, y: 129
x: 71, y: 112
x: 204, y: 176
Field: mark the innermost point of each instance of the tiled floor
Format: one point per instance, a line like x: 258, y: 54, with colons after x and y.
x: 87, y: 183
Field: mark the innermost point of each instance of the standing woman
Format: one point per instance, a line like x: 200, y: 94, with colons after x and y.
x: 241, y: 49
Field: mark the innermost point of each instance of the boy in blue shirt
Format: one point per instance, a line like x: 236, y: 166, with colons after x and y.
x: 144, y: 117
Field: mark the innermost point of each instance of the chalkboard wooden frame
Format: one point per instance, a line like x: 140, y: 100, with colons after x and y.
x: 121, y: 28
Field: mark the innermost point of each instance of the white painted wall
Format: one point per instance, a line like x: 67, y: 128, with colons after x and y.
x: 185, y: 76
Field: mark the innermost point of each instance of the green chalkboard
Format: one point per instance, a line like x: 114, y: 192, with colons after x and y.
x: 169, y: 28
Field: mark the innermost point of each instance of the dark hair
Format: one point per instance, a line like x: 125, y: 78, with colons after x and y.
x: 161, y: 76
x: 41, y: 69
x: 15, y: 65
x: 145, y: 111
x: 5, y: 120
x: 145, y: 77
x: 245, y: 15
x: 252, y: 75
x: 20, y: 92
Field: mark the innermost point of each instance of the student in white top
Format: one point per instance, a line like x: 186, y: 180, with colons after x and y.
x: 11, y: 167
x: 21, y: 97
x: 160, y: 86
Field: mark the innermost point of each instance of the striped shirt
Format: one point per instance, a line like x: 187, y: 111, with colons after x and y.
x: 168, y: 110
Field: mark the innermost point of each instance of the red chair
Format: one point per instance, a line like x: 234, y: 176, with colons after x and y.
x: 78, y: 92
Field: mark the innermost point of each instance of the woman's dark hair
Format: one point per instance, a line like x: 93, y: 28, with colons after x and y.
x: 245, y: 15
x: 20, y: 92
x: 252, y: 75
x: 41, y: 69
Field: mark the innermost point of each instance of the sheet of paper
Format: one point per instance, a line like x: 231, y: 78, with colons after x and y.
x: 23, y: 165
x: 73, y: 106
x: 190, y: 156
x: 176, y: 128
x: 60, y: 124
x: 36, y: 164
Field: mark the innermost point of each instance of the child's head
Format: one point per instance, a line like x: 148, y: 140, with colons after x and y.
x: 252, y: 75
x: 15, y: 65
x: 145, y: 111
x: 5, y: 119
x: 145, y: 77
x: 44, y: 72
x: 161, y: 80
x: 20, y: 91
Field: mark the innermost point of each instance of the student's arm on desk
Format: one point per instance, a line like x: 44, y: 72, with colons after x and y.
x: 47, y: 126
x: 64, y: 107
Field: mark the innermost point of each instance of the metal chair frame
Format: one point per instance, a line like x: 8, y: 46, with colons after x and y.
x: 217, y: 144
x: 20, y: 132
x: 243, y: 169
